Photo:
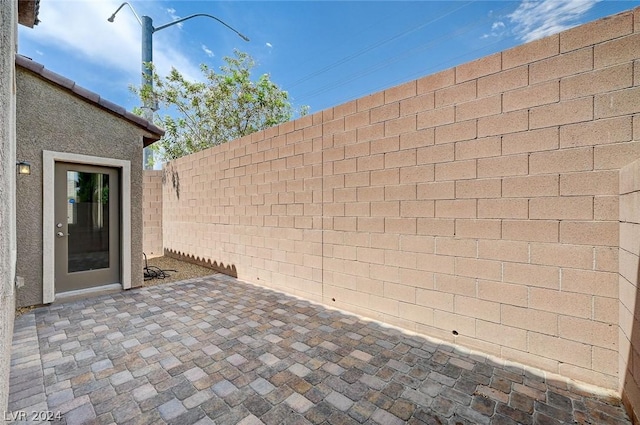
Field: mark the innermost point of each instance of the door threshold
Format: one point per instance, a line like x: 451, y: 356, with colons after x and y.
x: 88, y: 292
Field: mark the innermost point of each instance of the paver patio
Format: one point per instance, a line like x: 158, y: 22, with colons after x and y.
x: 216, y: 350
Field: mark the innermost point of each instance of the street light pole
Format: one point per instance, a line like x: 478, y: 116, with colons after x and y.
x: 147, y: 60
x: 148, y: 30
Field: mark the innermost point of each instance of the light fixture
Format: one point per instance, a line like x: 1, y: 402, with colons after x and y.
x: 150, y: 106
x: 23, y: 167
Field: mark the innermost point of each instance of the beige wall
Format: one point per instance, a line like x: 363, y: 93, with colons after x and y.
x: 629, y: 332
x: 50, y: 118
x: 152, y: 213
x: 8, y: 40
x: 478, y: 205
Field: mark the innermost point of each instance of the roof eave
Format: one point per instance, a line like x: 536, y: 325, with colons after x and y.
x: 155, y: 132
x: 28, y: 12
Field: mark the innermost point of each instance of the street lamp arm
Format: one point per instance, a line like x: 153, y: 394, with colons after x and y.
x: 161, y: 27
x: 112, y: 17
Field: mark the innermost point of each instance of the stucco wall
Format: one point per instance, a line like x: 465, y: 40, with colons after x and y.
x: 478, y: 205
x: 629, y: 296
x: 152, y: 213
x: 8, y: 22
x: 50, y: 118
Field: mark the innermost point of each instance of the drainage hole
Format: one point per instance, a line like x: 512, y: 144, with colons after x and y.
x: 333, y: 299
x: 455, y: 332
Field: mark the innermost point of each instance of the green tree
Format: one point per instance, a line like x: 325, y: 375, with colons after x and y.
x: 225, y: 106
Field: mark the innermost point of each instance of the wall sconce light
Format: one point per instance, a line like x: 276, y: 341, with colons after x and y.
x: 23, y: 167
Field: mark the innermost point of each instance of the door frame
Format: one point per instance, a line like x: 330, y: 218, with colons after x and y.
x: 49, y: 158
x: 69, y: 238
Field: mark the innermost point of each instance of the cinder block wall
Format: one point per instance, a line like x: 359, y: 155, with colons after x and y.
x: 629, y: 334
x: 478, y: 205
x: 152, y: 213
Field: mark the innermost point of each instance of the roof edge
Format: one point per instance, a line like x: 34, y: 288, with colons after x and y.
x: 28, y: 12
x: 90, y: 97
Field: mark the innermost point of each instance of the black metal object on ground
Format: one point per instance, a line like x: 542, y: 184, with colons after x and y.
x: 153, y: 272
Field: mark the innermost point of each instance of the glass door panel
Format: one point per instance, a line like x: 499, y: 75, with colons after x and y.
x: 88, y: 221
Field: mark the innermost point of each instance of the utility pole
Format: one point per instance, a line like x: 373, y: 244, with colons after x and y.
x: 149, y: 105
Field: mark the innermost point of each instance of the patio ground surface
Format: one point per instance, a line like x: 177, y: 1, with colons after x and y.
x: 216, y: 350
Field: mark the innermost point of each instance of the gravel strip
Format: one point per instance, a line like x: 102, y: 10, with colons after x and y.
x: 175, y: 270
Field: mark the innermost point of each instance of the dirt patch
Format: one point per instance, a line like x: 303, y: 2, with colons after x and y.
x: 22, y: 310
x: 163, y: 270
x: 166, y: 269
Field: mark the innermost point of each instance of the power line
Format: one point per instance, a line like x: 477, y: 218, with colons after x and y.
x: 380, y: 65
x: 348, y: 36
x: 413, y: 76
x: 375, y: 46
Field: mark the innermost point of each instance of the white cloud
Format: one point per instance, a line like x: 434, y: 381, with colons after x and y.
x: 174, y: 17
x: 83, y: 30
x: 497, y: 26
x: 498, y: 29
x: 536, y: 19
x: 269, y: 45
x: 208, y: 51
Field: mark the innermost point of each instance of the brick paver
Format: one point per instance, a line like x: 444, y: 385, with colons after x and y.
x: 218, y: 351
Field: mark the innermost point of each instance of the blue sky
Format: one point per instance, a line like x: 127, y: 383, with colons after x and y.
x: 323, y: 53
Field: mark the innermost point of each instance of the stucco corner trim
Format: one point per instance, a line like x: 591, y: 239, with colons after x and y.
x: 49, y: 158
